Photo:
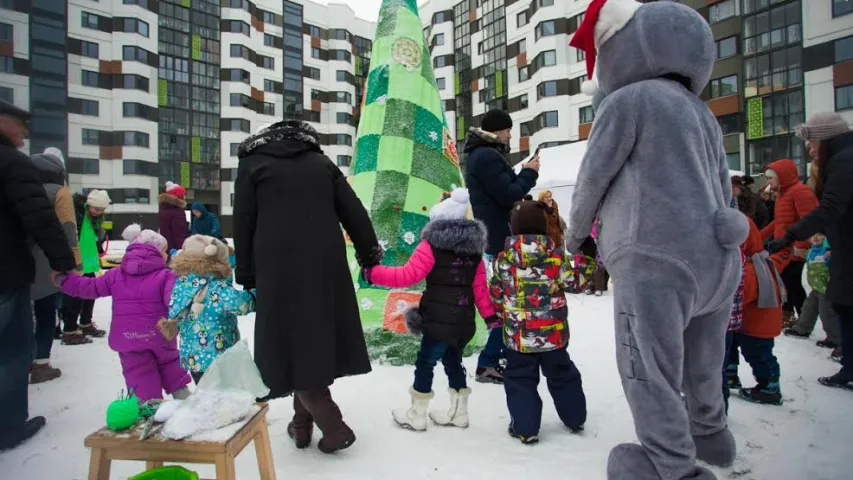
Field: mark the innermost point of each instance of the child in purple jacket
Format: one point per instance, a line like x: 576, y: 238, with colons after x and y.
x: 141, y: 289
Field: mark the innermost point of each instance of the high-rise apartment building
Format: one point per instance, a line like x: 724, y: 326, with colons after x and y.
x: 140, y: 92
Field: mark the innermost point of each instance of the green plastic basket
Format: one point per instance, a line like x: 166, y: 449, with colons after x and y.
x: 166, y: 473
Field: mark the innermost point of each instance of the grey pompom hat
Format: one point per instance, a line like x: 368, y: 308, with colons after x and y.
x: 823, y: 126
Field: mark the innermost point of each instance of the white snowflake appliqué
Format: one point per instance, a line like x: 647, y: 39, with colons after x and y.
x: 433, y: 135
x: 384, y: 245
x: 409, y: 238
x: 381, y: 100
x: 366, y: 304
x: 353, y: 265
x: 401, y: 306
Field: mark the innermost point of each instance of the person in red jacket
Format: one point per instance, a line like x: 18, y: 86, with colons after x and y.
x: 762, y: 320
x: 794, y: 201
x: 172, y: 217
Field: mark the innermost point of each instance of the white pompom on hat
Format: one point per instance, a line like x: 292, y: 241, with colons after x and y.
x: 56, y: 153
x: 98, y: 199
x: 135, y: 234
x: 603, y: 19
x: 453, y: 208
x: 206, y: 247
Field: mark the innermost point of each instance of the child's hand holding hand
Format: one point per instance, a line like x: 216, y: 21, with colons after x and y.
x: 367, y: 274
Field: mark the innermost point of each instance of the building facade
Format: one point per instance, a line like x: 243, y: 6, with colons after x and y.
x: 140, y: 92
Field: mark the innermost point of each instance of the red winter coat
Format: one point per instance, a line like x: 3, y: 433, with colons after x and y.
x: 172, y: 218
x: 794, y: 202
x: 760, y: 322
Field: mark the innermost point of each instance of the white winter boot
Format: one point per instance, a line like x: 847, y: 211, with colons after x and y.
x: 414, y: 417
x: 457, y: 414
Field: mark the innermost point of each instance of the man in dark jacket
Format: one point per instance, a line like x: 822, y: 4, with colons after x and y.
x: 494, y: 188
x: 25, y: 213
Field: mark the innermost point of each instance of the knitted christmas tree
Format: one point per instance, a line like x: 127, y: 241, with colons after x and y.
x: 405, y: 158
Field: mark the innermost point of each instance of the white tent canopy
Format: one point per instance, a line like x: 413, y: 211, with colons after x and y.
x: 559, y: 172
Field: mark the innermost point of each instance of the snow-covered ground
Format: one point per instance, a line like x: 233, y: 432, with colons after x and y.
x: 807, y: 438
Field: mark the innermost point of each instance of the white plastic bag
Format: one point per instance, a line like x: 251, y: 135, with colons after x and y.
x: 235, y: 369
x: 208, y: 410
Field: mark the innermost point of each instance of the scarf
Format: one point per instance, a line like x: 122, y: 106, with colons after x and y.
x: 89, y: 246
x: 765, y: 272
x: 284, y: 130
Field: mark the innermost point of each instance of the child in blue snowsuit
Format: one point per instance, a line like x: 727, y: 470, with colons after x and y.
x: 204, y: 304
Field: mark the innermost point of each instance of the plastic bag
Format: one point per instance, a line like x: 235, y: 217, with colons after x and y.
x: 208, y: 410
x: 235, y: 369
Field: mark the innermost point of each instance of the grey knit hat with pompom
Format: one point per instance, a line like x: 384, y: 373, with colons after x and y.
x: 823, y: 126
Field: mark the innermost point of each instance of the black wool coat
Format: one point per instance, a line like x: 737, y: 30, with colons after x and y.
x: 834, y: 218
x: 289, y: 204
x: 26, y: 214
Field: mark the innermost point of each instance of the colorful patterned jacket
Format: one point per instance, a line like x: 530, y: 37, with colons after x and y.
x: 528, y: 286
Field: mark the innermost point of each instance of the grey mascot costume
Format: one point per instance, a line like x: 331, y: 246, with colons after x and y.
x: 656, y: 176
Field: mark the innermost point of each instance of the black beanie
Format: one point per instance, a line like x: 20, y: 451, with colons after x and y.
x: 529, y: 218
x: 496, y: 120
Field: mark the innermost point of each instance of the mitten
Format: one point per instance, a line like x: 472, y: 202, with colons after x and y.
x: 367, y: 275
x: 168, y: 327
x: 780, y: 244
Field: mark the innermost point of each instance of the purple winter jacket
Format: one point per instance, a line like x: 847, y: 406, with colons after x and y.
x: 141, y: 289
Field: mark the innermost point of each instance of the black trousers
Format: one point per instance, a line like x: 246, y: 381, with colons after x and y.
x: 845, y: 321
x: 74, y: 309
x: 792, y: 277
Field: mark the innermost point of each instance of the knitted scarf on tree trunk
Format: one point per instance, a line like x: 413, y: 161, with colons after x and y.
x: 89, y: 246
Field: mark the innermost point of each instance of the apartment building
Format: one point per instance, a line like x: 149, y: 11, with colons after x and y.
x: 140, y: 92
x: 828, y: 57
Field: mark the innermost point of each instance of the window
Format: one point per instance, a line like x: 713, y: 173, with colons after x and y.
x: 7, y: 94
x: 586, y: 114
x: 5, y: 32
x: 343, y: 97
x: 237, y: 75
x: 269, y: 85
x: 521, y: 20
x: 843, y: 49
x: 546, y: 3
x: 438, y: 40
x: 134, y: 139
x: 89, y: 49
x: 239, y: 51
x: 89, y: 107
x: 844, y: 97
x: 130, y: 109
x: 89, y: 78
x: 547, y: 58
x: 523, y: 102
x: 722, y: 10
x: 234, y: 148
x: 315, y: 52
x: 441, y: 61
x: 782, y: 113
x: 344, y: 160
x: 726, y: 47
x: 773, y: 28
x: 549, y: 120
x: 768, y: 150
x: 342, y: 55
x: 580, y: 55
x: 140, y: 167
x: 266, y: 62
x: 772, y: 72
x: 441, y: 83
x: 733, y: 159
x: 343, y: 139
x: 133, y: 25
x: 141, y: 3
x: 236, y: 26
x: 313, y: 73
x: 134, y: 82
x: 269, y: 108
x: 841, y: 7
x: 545, y: 29
x: 90, y: 137
x: 523, y: 74
x: 269, y: 17
x: 134, y: 54
x: 6, y: 64
x: 721, y: 87
x: 314, y: 31
x: 89, y: 20
x: 547, y: 89
x: 316, y: 95
x: 83, y: 166
x: 343, y: 118
x: 239, y: 125
x: 269, y: 40
x: 729, y: 124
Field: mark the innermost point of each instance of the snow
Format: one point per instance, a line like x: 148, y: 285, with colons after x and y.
x: 558, y: 171
x: 809, y: 437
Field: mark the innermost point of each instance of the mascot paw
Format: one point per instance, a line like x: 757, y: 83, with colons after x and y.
x: 730, y: 227
x: 718, y: 449
x: 630, y: 462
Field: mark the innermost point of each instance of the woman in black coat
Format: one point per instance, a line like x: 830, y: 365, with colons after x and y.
x: 289, y: 204
x: 831, y: 146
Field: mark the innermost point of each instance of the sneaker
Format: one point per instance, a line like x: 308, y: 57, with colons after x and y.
x: 75, y: 338
x: 92, y: 330
x: 825, y: 343
x: 527, y: 440
x: 839, y: 380
x: 762, y: 395
x: 732, y: 380
x: 599, y: 293
x: 491, y: 375
x: 32, y: 426
x: 43, y: 372
x: 793, y: 332
x: 836, y: 354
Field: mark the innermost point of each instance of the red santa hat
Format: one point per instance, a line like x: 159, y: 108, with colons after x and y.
x: 176, y: 190
x: 603, y: 19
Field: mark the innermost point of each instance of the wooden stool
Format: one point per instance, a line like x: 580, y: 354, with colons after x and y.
x: 107, y: 446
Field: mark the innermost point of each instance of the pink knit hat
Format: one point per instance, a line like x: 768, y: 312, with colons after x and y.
x: 134, y: 234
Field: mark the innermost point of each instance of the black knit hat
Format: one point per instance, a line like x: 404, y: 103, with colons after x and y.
x: 496, y: 120
x: 529, y: 218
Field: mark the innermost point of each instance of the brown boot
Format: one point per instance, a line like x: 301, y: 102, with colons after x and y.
x: 43, y: 372
x: 336, y: 434
x: 789, y: 319
x: 75, y: 338
x: 301, y: 428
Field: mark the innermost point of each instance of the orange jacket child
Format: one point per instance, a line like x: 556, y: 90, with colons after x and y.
x: 794, y: 202
x: 763, y: 296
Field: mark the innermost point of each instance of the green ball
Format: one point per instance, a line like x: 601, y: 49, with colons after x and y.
x: 122, y: 414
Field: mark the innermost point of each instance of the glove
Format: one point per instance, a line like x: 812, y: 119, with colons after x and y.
x: 493, y: 322
x: 573, y: 245
x: 780, y: 244
x: 367, y: 275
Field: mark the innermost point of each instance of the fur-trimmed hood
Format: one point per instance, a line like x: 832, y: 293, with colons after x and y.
x: 169, y: 199
x: 186, y: 264
x: 466, y: 237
